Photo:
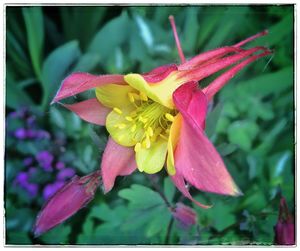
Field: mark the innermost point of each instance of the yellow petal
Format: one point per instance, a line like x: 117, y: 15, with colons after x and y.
x: 160, y: 92
x: 113, y: 95
x: 120, y: 129
x: 173, y: 139
x: 151, y: 160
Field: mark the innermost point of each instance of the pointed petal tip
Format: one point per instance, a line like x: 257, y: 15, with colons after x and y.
x: 237, y: 192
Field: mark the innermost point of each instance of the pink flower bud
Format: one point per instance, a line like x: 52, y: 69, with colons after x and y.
x: 185, y: 215
x: 66, y: 202
x: 285, y: 228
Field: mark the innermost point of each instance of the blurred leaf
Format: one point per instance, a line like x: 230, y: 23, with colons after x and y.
x: 242, y: 133
x: 190, y: 30
x: 57, y: 118
x: 113, y: 34
x: 226, y: 149
x: 212, y: 120
x: 58, y: 235
x: 15, y: 96
x: 277, y: 32
x: 56, y: 67
x: 87, y: 62
x: 169, y: 189
x: 271, y: 83
x: 144, y: 31
x: 75, y: 28
x: 34, y: 23
x: 18, y: 238
x: 136, y: 195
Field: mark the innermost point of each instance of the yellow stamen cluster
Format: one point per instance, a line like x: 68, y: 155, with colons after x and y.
x: 148, y: 121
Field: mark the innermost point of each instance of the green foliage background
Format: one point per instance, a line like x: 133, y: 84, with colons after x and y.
x: 251, y: 121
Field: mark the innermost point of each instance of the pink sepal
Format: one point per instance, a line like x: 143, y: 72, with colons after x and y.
x: 117, y: 160
x: 80, y: 82
x: 90, y: 110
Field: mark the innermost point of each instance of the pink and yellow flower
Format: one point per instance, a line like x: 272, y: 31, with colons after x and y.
x: 157, y: 119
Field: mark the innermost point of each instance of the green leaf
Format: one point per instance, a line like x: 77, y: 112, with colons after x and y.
x: 55, y: 68
x: 34, y: 23
x: 87, y: 62
x: 113, y: 34
x: 271, y: 83
x: 58, y: 235
x: 169, y: 189
x: 141, y: 197
x: 18, y: 238
x: 15, y: 96
x: 277, y: 32
x: 242, y: 133
x: 212, y: 120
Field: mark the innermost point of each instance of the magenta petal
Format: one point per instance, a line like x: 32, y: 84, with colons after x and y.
x: 66, y: 202
x: 196, y: 159
x: 90, y: 110
x: 159, y: 73
x: 191, y: 102
x: 80, y: 82
x: 117, y: 160
x: 200, y: 164
x: 178, y: 181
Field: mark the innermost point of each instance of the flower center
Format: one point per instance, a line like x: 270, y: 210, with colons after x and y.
x: 143, y: 122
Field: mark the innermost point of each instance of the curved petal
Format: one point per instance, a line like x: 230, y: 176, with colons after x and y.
x: 199, y: 162
x: 80, y: 82
x: 172, y: 142
x: 178, y: 181
x: 151, y: 160
x: 117, y: 160
x: 191, y: 102
x: 113, y: 95
x: 90, y: 110
x: 195, y: 156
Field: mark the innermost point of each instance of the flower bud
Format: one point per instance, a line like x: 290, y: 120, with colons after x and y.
x: 66, y: 202
x: 285, y: 228
x: 185, y: 215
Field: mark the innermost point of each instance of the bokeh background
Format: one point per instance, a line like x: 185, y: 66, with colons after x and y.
x: 251, y: 121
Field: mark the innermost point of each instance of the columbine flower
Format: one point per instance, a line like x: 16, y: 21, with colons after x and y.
x: 158, y: 118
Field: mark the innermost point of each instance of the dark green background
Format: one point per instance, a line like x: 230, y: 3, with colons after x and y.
x: 251, y: 122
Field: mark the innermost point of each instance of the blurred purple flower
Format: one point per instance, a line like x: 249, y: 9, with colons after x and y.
x: 65, y: 174
x: 51, y: 189
x: 60, y: 165
x: 45, y: 159
x: 32, y: 189
x: 31, y: 133
x: 21, y: 133
x: 42, y: 134
x: 185, y: 215
x: 22, y: 178
x: 27, y: 161
x: 31, y: 120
